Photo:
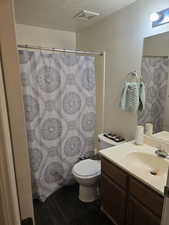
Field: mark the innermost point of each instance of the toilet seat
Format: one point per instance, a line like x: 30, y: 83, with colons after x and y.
x: 87, y: 168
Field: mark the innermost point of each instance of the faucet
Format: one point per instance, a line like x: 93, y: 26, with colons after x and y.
x: 162, y: 153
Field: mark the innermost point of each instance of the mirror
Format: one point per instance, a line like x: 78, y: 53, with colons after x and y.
x: 155, y: 69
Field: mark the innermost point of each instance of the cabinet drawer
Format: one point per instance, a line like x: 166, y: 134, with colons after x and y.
x: 115, y: 173
x: 146, y: 196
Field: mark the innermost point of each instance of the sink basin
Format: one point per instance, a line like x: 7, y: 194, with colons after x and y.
x: 147, y: 163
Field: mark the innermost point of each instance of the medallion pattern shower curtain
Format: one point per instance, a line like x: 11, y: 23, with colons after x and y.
x: 155, y: 76
x: 59, y: 92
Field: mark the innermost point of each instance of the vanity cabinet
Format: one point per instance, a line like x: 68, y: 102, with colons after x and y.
x: 126, y: 200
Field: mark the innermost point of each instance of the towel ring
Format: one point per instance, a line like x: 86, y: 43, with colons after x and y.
x: 134, y: 75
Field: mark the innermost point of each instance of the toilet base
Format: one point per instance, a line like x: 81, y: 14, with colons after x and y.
x: 88, y: 193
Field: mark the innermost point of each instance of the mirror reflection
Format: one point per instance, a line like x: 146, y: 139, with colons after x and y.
x: 154, y: 69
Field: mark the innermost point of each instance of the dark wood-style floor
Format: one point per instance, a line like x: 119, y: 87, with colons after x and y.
x: 64, y: 208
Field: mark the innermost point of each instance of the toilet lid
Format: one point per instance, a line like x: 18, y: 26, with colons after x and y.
x: 87, y: 167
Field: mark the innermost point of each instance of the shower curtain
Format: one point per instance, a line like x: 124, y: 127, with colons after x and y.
x: 59, y: 92
x: 155, y: 76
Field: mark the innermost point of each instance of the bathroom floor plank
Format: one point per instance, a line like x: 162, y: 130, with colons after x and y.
x: 64, y: 208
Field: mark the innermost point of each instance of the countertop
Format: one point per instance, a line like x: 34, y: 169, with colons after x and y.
x: 122, y: 157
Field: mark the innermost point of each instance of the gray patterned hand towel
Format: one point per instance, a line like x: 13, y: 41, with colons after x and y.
x: 130, y: 97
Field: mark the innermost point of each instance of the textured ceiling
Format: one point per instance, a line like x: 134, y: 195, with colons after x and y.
x: 58, y: 14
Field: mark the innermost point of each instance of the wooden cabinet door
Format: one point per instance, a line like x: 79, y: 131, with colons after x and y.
x: 113, y: 200
x: 137, y: 214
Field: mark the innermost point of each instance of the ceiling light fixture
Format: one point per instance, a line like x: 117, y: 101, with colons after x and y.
x: 155, y: 17
x: 160, y: 18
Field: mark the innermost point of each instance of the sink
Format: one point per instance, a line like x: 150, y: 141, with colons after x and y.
x: 147, y: 163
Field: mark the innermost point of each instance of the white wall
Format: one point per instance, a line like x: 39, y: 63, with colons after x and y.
x: 157, y: 45
x: 121, y: 35
x: 26, y: 34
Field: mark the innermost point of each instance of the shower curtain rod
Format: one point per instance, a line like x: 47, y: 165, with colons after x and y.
x: 153, y: 56
x: 60, y: 50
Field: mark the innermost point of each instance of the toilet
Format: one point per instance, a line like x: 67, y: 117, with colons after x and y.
x: 87, y: 173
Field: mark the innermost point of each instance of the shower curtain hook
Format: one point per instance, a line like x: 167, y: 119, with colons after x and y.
x: 40, y: 49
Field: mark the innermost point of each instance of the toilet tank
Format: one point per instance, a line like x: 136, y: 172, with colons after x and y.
x: 104, y: 142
